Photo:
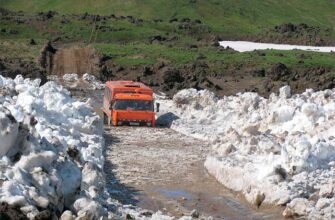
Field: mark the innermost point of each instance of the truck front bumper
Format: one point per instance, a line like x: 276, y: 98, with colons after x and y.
x: 134, y: 123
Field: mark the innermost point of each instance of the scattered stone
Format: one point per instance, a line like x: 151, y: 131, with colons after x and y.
x: 44, y: 215
x: 129, y: 217
x: 32, y: 42
x: 147, y: 213
x: 195, y: 214
x: 8, y: 212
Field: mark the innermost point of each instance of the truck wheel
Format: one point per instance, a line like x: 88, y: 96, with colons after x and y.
x: 105, y: 119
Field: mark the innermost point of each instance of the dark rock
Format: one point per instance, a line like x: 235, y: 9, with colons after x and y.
x: 146, y: 213
x: 195, y: 214
x: 159, y: 65
x: 173, y: 20
x: 47, y: 15
x: 119, y: 68
x: 279, y: 72
x: 44, y: 215
x: 129, y: 216
x: 284, y: 28
x: 104, y: 58
x: 215, y: 44
x: 157, y: 38
x: 217, y: 87
x: 73, y: 152
x: 2, y: 66
x: 258, y: 73
x: 106, y: 73
x: 261, y: 53
x: 187, y: 20
x: 147, y: 71
x: 172, y: 76
x: 8, y: 212
x: 32, y: 42
x: 197, y: 21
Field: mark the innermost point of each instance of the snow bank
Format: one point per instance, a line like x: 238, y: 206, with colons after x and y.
x: 279, y: 150
x: 244, y: 46
x: 51, y: 155
x: 46, y: 140
x: 72, y: 80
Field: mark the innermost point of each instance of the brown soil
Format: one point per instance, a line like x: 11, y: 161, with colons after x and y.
x: 28, y: 69
x: 160, y: 169
x: 78, y: 60
x: 165, y: 78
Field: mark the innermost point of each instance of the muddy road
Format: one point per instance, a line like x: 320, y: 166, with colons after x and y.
x: 160, y: 169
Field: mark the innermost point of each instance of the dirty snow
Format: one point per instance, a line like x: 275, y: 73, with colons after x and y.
x: 277, y: 151
x: 51, y: 154
x: 73, y: 81
x: 244, y: 46
x: 46, y: 138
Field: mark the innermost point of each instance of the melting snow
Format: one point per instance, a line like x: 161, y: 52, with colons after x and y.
x: 244, y: 46
x: 51, y: 154
x: 278, y: 151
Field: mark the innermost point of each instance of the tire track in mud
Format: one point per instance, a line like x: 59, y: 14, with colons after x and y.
x: 160, y: 169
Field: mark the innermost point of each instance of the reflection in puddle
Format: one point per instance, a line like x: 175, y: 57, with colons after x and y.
x: 215, y: 205
x: 174, y: 193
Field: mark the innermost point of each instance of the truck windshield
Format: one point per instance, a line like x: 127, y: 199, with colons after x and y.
x: 134, y: 105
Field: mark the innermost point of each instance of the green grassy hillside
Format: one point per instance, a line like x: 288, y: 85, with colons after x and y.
x: 229, y: 16
x: 181, y: 35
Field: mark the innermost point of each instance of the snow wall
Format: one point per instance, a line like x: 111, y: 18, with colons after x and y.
x: 51, y: 155
x: 279, y: 150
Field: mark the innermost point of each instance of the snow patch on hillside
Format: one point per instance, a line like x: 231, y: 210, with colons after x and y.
x: 244, y: 46
x: 279, y: 150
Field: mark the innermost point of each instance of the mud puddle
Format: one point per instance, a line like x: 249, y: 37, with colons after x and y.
x: 223, y: 204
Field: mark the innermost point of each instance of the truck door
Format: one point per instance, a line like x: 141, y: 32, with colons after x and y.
x: 107, y: 101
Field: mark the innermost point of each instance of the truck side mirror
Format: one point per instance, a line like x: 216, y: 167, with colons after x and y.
x: 111, y: 106
x: 157, y: 106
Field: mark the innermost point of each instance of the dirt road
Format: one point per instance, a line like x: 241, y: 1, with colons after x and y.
x: 160, y: 169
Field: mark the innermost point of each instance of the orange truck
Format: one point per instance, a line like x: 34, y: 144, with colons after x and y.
x: 128, y: 103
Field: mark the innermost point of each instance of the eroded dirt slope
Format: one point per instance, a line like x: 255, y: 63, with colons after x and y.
x: 78, y: 60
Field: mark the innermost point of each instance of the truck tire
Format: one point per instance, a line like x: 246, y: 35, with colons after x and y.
x: 105, y: 119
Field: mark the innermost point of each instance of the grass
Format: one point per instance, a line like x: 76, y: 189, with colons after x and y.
x: 128, y: 43
x: 135, y: 53
x: 20, y: 49
x: 229, y: 17
x: 150, y: 52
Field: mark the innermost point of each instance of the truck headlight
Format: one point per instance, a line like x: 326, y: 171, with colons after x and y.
x: 148, y: 123
x: 119, y: 123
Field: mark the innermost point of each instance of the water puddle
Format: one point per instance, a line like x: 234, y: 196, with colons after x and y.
x: 176, y: 193
x: 217, y: 205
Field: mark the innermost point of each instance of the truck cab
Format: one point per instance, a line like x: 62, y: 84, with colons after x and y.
x: 128, y: 103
